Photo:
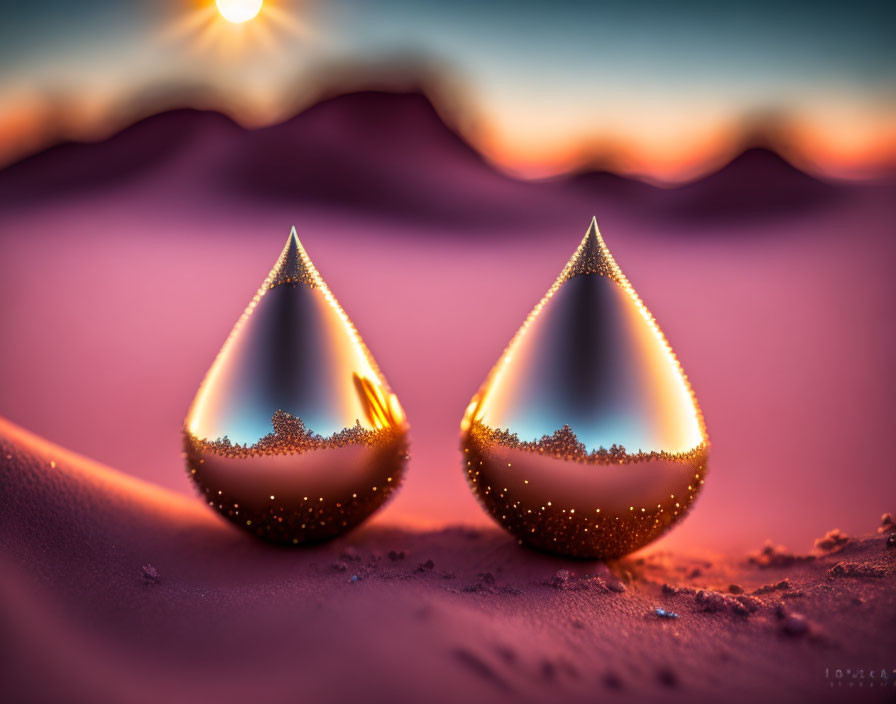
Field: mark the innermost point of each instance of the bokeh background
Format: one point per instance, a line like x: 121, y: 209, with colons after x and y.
x: 441, y: 161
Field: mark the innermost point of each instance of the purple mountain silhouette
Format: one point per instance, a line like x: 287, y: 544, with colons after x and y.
x: 756, y: 183
x: 369, y: 151
x: 604, y: 182
x: 133, y: 154
x: 375, y: 151
x: 379, y: 152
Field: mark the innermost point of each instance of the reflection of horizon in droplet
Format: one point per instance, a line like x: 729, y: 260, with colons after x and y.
x: 603, y: 505
x: 591, y: 356
x: 294, y: 433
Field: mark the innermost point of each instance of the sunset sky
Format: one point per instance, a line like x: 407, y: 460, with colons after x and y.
x: 660, y: 89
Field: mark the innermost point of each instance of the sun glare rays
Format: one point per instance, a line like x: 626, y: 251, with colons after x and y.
x: 236, y: 28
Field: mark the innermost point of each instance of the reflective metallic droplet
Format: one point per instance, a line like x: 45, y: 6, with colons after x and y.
x: 294, y: 433
x: 586, y: 438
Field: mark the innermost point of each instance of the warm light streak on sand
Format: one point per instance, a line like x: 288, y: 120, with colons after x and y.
x: 114, y: 483
x: 142, y: 496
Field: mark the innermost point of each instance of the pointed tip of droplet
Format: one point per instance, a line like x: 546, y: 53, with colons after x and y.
x: 591, y: 256
x: 293, y: 265
x: 593, y: 236
x: 293, y: 242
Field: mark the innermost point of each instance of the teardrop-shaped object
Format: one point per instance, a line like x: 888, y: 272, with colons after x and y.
x: 586, y: 438
x: 294, y: 433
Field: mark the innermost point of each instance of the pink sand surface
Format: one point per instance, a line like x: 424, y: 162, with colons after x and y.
x: 112, y: 589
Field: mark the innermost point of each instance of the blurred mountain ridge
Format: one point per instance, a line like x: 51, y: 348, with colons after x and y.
x: 380, y: 152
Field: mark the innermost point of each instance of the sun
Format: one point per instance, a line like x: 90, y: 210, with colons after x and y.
x: 238, y: 11
x: 237, y: 29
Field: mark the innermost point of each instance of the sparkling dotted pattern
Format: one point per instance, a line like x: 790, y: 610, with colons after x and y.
x: 318, y: 506
x: 565, y: 445
x: 591, y: 257
x: 308, y: 518
x: 596, y: 533
x: 292, y: 267
x: 290, y: 436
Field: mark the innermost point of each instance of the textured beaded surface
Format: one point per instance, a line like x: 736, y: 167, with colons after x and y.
x: 586, y: 438
x: 294, y: 434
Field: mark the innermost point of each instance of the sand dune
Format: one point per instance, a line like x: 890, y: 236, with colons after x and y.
x: 114, y: 590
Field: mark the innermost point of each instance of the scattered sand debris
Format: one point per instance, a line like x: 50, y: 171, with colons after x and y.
x: 772, y: 555
x: 613, y: 583
x: 855, y: 569
x: 605, y: 580
x: 567, y: 581
x: 710, y: 601
x: 795, y: 594
x: 832, y: 541
x: 560, y: 579
x: 150, y: 574
x: 783, y: 585
x: 484, y: 585
x: 745, y: 605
